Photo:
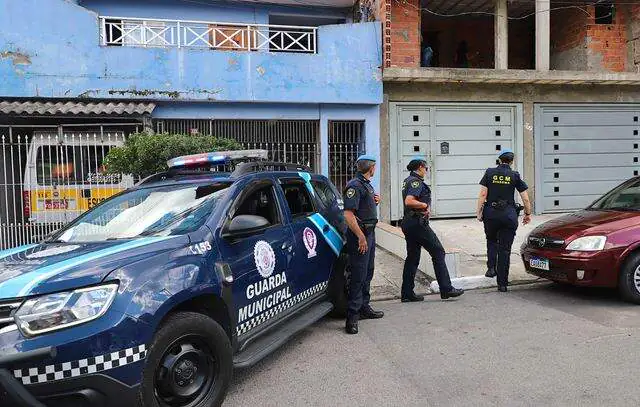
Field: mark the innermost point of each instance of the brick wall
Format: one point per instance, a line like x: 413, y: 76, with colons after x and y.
x: 579, y: 44
x: 404, y: 33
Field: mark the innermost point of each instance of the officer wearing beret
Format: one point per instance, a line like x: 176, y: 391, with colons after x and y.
x: 497, y: 209
x: 416, y: 196
x: 360, y: 209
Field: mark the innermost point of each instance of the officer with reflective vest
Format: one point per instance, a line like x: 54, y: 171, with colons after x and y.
x: 416, y: 196
x: 498, y: 210
x: 361, y: 215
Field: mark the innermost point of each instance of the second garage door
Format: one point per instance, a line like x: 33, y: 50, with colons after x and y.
x: 582, y: 152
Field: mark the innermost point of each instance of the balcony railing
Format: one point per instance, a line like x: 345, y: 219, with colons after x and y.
x: 135, y: 32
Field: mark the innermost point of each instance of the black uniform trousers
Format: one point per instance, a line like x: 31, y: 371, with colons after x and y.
x: 361, y: 266
x: 500, y: 228
x: 418, y: 234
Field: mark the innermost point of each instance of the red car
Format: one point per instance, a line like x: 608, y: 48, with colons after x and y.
x: 597, y: 247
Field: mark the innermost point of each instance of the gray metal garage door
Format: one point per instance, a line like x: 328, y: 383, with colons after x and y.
x: 460, y: 141
x: 582, y: 152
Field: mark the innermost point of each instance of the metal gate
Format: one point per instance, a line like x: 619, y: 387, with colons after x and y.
x: 460, y: 141
x: 48, y: 178
x: 346, y: 143
x: 583, y: 151
x: 294, y: 141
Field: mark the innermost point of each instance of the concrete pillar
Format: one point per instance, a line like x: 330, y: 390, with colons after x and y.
x: 543, y: 34
x: 501, y: 35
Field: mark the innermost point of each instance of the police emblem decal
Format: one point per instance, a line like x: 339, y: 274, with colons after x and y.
x: 265, y: 258
x: 310, y: 242
x: 415, y: 184
x: 351, y: 193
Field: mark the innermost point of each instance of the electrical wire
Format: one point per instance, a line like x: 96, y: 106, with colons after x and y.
x: 574, y: 5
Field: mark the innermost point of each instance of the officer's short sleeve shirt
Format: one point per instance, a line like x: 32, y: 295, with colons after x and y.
x: 520, y: 185
x: 485, y: 179
x: 413, y: 187
x: 352, y: 196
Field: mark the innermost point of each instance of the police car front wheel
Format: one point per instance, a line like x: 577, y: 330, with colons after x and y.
x: 189, y: 364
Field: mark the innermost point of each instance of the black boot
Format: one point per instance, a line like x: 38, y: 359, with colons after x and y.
x: 455, y: 292
x: 413, y: 297
x: 351, y: 326
x: 369, y: 313
x: 491, y: 272
x: 502, y: 288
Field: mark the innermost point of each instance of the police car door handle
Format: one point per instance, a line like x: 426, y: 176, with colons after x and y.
x: 287, y: 246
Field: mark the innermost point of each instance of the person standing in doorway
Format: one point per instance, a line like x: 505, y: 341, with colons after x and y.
x: 497, y: 209
x: 361, y: 215
x: 416, y: 196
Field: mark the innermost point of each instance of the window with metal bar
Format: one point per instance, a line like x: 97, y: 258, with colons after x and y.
x: 346, y: 143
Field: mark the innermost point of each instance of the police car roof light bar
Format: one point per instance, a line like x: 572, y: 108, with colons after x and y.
x: 259, y: 166
x: 216, y: 158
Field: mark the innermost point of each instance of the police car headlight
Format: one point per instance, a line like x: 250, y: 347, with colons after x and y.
x: 588, y: 244
x: 63, y: 310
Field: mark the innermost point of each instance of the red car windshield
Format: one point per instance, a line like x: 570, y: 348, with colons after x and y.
x: 625, y: 197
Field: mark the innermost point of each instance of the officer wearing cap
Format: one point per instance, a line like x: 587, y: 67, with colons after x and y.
x: 418, y: 234
x: 497, y: 209
x: 360, y: 209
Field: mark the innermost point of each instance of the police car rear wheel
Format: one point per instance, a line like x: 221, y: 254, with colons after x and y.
x: 189, y: 363
x: 629, y: 282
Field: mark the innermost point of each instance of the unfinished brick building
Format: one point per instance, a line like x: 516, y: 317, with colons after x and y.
x: 555, y: 81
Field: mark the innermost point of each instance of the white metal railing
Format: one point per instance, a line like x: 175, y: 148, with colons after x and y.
x: 136, y: 32
x: 48, y: 179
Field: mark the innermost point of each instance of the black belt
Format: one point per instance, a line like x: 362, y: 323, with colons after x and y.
x: 368, y: 226
x: 501, y: 205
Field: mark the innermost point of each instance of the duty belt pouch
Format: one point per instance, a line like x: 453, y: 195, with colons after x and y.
x: 499, y: 205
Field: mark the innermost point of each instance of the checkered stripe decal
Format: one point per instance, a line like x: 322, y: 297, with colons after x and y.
x: 245, y: 327
x: 80, y: 367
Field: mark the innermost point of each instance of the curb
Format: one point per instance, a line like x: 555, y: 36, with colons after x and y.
x: 432, y: 292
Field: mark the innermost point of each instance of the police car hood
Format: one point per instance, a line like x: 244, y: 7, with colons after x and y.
x: 585, y: 222
x: 48, y: 267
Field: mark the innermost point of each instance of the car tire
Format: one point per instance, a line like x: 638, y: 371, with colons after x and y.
x: 189, y: 363
x: 627, y: 280
x: 338, y: 284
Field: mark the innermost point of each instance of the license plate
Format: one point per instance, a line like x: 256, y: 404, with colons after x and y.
x: 538, y: 263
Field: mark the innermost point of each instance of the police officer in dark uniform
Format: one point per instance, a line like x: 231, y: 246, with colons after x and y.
x: 360, y: 208
x: 497, y: 209
x: 416, y: 196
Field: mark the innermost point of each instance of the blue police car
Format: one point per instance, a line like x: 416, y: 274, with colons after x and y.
x: 154, y: 296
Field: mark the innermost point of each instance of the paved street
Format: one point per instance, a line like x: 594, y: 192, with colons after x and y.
x: 538, y: 345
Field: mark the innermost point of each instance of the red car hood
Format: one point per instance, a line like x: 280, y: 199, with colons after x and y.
x: 587, y: 222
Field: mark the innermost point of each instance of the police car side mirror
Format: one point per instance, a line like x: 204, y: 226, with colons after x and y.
x: 244, y: 225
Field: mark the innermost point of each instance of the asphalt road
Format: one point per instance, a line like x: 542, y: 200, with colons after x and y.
x: 541, y: 345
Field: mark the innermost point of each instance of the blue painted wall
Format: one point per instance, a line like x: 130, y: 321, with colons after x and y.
x: 222, y: 12
x: 56, y: 53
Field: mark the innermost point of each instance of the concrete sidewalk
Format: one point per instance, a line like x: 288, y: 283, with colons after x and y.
x: 465, y: 243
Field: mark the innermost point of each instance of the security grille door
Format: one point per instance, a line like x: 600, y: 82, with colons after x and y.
x: 460, y: 141
x: 346, y: 144
x: 583, y: 152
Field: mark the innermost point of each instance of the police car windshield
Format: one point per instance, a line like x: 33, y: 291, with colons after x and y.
x: 625, y: 197
x: 154, y: 211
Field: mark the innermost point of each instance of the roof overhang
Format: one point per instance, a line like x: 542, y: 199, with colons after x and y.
x: 512, y: 76
x: 74, y: 108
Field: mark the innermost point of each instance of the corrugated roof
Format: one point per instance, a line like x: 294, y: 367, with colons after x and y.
x: 74, y: 108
